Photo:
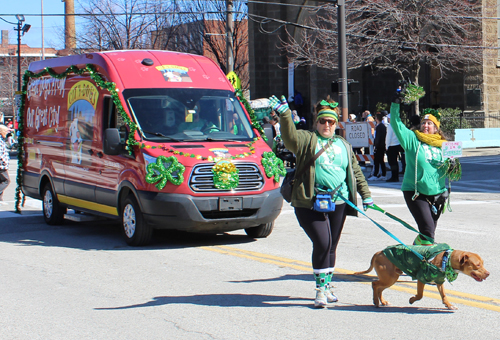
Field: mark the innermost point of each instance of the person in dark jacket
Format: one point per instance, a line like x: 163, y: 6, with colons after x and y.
x: 379, y: 150
x: 336, y: 168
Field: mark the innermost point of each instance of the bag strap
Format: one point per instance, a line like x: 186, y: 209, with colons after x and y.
x: 312, y: 160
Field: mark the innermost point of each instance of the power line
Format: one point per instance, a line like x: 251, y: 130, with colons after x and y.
x: 381, y: 40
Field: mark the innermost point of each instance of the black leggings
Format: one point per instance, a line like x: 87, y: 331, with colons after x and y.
x: 422, y: 213
x: 324, y: 230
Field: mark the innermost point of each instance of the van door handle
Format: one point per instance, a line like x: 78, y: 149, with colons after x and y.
x: 91, y: 152
x: 100, y: 154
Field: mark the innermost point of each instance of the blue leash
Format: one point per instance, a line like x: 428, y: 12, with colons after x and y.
x: 378, y: 225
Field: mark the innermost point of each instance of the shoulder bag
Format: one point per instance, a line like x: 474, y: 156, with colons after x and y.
x: 289, y: 180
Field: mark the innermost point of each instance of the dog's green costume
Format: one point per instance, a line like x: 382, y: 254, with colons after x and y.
x: 422, y: 270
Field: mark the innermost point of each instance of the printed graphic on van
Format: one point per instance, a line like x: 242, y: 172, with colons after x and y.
x: 82, y: 102
x: 174, y: 73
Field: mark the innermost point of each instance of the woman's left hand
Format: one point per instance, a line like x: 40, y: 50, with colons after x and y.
x: 366, y: 202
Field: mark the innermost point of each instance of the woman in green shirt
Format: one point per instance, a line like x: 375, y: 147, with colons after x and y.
x: 336, y: 167
x: 423, y: 186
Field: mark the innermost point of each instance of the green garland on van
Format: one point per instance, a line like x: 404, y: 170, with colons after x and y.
x: 255, y: 124
x: 94, y: 75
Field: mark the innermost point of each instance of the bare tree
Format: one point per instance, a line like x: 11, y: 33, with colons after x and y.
x: 399, y: 35
x: 207, y: 20
x: 122, y: 24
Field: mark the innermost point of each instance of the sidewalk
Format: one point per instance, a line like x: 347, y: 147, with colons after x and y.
x: 480, y: 152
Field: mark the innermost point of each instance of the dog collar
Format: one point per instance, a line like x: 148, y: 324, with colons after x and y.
x: 449, y: 272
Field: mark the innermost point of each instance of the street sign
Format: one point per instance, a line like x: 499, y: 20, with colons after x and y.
x: 452, y: 149
x: 358, y: 134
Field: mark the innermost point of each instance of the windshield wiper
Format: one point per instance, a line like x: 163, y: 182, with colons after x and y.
x: 159, y: 134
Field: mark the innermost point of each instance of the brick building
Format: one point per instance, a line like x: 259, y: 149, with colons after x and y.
x: 9, y: 69
x: 476, y: 91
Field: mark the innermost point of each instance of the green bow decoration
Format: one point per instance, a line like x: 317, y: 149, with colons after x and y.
x: 325, y: 103
x: 433, y: 112
x: 273, y: 166
x: 226, y: 175
x: 158, y: 172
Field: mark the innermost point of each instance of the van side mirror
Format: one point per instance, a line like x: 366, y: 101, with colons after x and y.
x: 112, y: 144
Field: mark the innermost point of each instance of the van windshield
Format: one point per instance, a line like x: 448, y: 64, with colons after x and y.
x: 188, y: 114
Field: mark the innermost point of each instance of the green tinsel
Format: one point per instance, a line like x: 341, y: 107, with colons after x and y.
x: 453, y: 169
x: 413, y: 93
x: 273, y: 166
x: 251, y: 113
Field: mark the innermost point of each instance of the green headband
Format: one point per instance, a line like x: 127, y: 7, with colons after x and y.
x: 325, y: 103
x: 328, y: 113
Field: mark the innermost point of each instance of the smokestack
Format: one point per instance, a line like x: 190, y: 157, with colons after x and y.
x: 69, y: 25
x: 5, y: 38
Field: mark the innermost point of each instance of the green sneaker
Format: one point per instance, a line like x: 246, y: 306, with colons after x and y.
x: 320, y: 301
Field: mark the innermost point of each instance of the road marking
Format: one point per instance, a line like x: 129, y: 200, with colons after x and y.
x: 472, y: 300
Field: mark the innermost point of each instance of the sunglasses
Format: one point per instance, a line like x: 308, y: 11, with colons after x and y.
x: 330, y: 122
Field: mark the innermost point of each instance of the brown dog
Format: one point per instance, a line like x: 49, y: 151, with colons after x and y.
x: 462, y: 261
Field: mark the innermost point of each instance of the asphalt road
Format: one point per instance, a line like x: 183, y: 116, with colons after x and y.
x: 81, y: 281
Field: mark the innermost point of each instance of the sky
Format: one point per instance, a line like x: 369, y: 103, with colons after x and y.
x: 53, y: 25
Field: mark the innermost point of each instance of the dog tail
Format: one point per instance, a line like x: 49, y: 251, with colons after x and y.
x: 369, y: 269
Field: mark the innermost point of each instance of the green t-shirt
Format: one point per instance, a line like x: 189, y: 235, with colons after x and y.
x: 431, y: 179
x: 331, y: 166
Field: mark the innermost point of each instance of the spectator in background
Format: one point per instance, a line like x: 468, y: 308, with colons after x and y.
x: 9, y: 123
x: 4, y: 162
x: 379, y: 150
x: 394, y: 150
x: 352, y: 118
x: 275, y: 122
x: 302, y: 124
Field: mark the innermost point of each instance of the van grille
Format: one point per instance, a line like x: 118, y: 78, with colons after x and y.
x: 202, y: 178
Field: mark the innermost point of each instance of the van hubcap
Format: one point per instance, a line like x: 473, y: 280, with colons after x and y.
x: 129, y: 221
x: 48, y: 204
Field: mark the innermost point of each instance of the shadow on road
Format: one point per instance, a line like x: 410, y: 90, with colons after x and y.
x: 257, y: 300
x: 102, y: 235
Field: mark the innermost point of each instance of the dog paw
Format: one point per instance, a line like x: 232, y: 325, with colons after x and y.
x: 413, y: 299
x: 451, y: 307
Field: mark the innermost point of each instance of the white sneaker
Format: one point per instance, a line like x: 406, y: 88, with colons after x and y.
x: 382, y: 178
x: 330, y: 295
x: 320, y: 301
x: 371, y: 178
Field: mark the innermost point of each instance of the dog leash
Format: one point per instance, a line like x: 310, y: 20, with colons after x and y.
x: 380, y: 226
x: 395, y: 218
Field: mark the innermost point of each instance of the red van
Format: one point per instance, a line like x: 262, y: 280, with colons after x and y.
x: 156, y: 139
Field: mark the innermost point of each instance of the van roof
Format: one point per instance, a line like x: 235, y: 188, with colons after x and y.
x: 146, y: 69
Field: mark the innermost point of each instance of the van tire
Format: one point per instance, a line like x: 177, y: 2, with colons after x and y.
x: 134, y: 228
x: 53, y: 213
x: 261, y: 231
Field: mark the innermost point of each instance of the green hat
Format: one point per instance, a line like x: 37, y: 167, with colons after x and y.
x: 328, y: 113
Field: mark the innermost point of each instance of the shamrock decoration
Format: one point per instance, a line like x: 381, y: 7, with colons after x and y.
x: 158, y: 172
x: 226, y: 175
x: 273, y: 166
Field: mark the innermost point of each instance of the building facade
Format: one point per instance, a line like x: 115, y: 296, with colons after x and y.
x: 475, y: 91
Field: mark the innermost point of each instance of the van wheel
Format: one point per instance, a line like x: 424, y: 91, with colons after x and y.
x: 53, y: 213
x: 134, y: 228
x: 261, y: 231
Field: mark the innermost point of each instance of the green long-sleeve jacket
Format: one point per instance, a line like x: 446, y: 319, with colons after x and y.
x: 430, y: 177
x: 303, y: 144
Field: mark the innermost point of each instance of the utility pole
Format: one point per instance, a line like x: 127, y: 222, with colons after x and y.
x: 343, y: 100
x: 229, y: 37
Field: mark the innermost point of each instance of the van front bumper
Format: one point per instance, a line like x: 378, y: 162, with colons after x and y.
x: 202, y: 214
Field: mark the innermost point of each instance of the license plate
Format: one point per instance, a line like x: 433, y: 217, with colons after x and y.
x: 230, y: 203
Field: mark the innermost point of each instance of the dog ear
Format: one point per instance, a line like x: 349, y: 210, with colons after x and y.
x: 464, y: 259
